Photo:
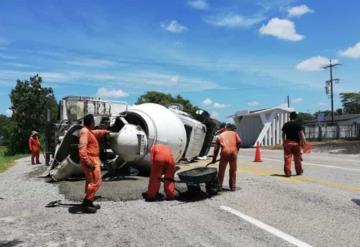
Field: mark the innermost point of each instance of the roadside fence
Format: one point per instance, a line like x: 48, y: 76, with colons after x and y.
x: 319, y: 132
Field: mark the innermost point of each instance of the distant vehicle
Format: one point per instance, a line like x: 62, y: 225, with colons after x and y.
x: 135, y: 129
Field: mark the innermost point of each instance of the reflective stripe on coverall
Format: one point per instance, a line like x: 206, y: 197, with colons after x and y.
x: 292, y: 148
x: 229, y: 141
x: 162, y: 162
x: 34, y: 146
x: 90, y: 161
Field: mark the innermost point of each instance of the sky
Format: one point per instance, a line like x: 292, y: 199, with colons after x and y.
x: 222, y: 55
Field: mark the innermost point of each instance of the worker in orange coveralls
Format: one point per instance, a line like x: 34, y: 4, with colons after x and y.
x: 34, y: 146
x: 162, y: 162
x: 293, y: 139
x: 90, y: 161
x: 229, y: 142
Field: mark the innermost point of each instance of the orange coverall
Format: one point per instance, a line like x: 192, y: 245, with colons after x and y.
x: 293, y: 138
x: 34, y: 146
x: 162, y: 163
x: 292, y: 148
x: 229, y: 141
x: 90, y: 161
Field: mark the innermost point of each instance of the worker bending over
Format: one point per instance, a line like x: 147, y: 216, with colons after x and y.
x: 229, y: 142
x: 162, y: 162
x: 293, y: 139
x: 90, y: 161
x: 34, y: 146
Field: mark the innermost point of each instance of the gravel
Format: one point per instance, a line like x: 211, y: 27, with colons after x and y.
x: 313, y: 213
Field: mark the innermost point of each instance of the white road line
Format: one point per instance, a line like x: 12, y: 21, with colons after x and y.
x: 267, y: 228
x: 314, y: 164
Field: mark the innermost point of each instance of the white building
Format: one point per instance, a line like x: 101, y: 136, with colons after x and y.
x: 263, y: 126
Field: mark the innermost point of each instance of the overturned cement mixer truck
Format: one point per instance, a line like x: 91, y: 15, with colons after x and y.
x: 134, y: 130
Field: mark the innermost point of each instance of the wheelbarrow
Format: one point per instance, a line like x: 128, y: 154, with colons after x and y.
x: 194, y: 177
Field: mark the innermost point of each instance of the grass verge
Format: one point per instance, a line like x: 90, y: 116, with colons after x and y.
x: 7, y: 161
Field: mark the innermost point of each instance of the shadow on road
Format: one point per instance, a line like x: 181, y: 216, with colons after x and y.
x: 118, y: 178
x: 10, y: 243
x: 356, y: 201
x: 192, y: 196
x: 73, y: 208
x: 278, y: 175
x: 76, y: 209
x: 58, y: 203
x: 183, y: 197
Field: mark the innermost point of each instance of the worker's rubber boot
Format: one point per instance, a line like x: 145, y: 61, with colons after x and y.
x: 87, y: 208
x: 159, y: 197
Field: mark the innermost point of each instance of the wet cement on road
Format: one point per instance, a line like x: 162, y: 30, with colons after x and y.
x: 115, y: 188
x: 121, y: 188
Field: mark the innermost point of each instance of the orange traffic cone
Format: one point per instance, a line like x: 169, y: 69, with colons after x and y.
x: 257, y: 153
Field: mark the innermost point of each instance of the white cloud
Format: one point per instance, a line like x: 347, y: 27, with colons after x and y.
x: 299, y: 10
x: 253, y: 103
x: 296, y: 100
x: 198, y: 4
x: 321, y: 104
x: 282, y: 29
x: 219, y: 105
x: 8, y: 112
x: 214, y: 115
x: 173, y: 26
x: 54, y: 76
x: 314, y: 63
x: 352, y: 52
x: 20, y: 65
x: 233, y: 20
x: 213, y: 104
x: 139, y: 79
x: 111, y: 93
x: 174, y: 79
x: 207, y: 101
x: 92, y: 62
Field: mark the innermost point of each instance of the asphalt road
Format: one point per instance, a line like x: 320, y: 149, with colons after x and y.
x: 320, y: 208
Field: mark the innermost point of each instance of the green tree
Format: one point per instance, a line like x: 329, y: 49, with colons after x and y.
x: 350, y: 102
x: 30, y: 103
x: 6, y: 128
x: 165, y: 100
x: 303, y: 117
x: 339, y: 111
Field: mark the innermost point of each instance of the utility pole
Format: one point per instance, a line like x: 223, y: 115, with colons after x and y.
x: 330, y: 84
x: 288, y: 101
